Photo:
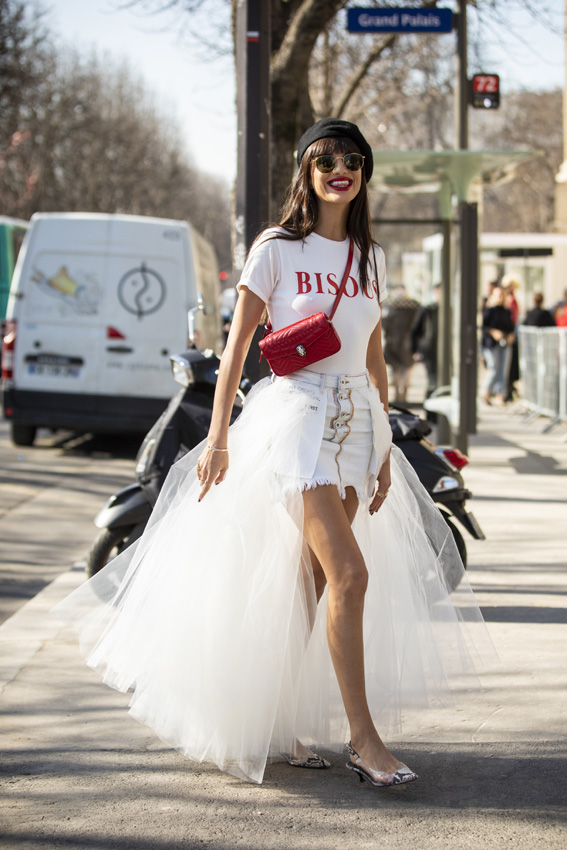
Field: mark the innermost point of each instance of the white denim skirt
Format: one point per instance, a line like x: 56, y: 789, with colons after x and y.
x: 346, y: 457
x: 211, y: 617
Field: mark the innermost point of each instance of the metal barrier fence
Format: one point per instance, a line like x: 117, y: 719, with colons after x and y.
x: 543, y: 370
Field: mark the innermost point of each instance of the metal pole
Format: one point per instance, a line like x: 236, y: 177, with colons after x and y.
x: 462, y: 81
x: 468, y: 337
x: 444, y: 342
x: 565, y: 87
x: 443, y: 433
x: 444, y: 358
x: 253, y: 188
x: 561, y: 176
x: 468, y: 255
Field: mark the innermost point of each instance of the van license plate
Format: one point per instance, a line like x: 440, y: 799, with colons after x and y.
x: 52, y: 370
x: 54, y: 365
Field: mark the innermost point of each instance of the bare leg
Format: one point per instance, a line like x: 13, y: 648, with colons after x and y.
x: 329, y: 535
x: 350, y: 506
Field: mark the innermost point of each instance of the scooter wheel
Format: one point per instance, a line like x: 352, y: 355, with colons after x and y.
x: 109, y: 543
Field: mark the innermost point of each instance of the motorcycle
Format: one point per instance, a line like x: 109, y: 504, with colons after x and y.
x: 185, y: 423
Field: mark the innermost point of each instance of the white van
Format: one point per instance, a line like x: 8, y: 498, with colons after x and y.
x: 97, y: 304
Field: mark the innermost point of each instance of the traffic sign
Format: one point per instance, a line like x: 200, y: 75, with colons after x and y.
x: 395, y: 19
x: 485, y: 91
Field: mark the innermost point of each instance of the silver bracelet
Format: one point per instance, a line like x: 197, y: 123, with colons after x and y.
x: 214, y: 449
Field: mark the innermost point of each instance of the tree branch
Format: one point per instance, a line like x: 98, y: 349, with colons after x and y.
x: 304, y: 28
x: 363, y: 70
x: 356, y: 80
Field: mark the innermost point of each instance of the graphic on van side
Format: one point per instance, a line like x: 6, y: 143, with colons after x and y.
x: 82, y: 296
x: 141, y: 291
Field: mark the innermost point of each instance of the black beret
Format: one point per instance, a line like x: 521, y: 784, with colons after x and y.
x: 333, y: 128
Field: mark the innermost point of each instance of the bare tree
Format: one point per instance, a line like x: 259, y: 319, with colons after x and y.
x: 305, y: 42
x: 526, y: 121
x: 24, y: 53
x: 23, y: 47
x: 84, y: 134
x: 400, y: 102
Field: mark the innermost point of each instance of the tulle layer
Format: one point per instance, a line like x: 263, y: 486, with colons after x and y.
x: 211, y: 617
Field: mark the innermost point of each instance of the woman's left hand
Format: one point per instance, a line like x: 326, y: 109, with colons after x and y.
x: 383, y: 484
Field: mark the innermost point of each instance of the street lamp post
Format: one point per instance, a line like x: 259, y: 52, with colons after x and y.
x: 252, y: 196
x: 468, y: 256
x: 462, y: 82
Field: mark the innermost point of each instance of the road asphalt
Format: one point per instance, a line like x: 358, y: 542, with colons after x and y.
x: 49, y: 494
x: 78, y: 772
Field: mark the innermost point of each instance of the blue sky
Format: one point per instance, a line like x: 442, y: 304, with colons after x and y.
x: 201, y: 93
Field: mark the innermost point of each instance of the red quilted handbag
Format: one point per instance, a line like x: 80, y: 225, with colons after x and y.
x: 307, y: 341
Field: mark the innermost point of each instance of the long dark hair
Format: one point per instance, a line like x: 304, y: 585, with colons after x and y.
x: 300, y: 212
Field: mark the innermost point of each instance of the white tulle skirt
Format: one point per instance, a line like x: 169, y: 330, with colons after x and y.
x: 211, y: 617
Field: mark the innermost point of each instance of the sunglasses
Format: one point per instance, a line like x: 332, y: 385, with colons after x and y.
x: 327, y: 162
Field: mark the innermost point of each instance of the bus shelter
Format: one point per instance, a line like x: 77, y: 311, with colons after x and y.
x: 457, y: 178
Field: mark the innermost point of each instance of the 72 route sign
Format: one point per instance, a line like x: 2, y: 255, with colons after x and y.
x: 485, y: 92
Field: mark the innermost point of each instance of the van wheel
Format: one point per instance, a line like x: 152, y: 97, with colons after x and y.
x: 22, y: 435
x: 109, y: 543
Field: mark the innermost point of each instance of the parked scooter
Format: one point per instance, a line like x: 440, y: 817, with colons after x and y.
x: 439, y: 470
x: 185, y: 423
x: 181, y: 427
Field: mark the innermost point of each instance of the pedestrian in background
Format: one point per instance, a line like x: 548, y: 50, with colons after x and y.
x: 490, y: 287
x: 537, y: 317
x: 239, y: 599
x: 497, y: 339
x: 424, y: 336
x: 560, y: 311
x: 397, y: 323
x: 511, y: 286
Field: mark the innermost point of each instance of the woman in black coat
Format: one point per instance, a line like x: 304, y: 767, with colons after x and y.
x: 537, y: 317
x: 497, y: 341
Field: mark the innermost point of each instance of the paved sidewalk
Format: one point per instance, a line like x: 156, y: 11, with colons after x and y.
x: 49, y: 495
x: 77, y: 772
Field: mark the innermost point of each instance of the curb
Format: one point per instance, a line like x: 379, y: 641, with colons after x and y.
x: 24, y: 633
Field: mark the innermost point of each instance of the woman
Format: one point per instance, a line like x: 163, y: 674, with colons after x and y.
x: 511, y: 286
x: 538, y: 317
x: 397, y: 323
x: 240, y: 599
x: 497, y: 341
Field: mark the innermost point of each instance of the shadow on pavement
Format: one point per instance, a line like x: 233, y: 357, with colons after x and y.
x: 166, y: 803
x: 524, y: 614
x: 77, y: 444
x: 483, y: 775
x: 534, y: 463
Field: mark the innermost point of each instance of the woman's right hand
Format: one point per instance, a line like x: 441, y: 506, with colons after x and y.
x: 211, y: 469
x: 496, y: 334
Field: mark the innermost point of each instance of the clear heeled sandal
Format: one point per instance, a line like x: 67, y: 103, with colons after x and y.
x: 379, y: 778
x: 306, y: 759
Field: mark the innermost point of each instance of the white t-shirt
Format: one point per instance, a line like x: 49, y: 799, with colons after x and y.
x: 296, y: 279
